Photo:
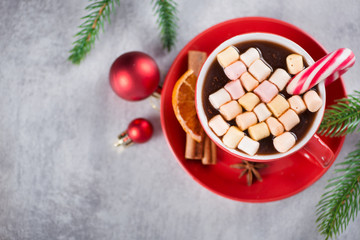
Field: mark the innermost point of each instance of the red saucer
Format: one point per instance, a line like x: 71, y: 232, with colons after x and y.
x: 282, y: 178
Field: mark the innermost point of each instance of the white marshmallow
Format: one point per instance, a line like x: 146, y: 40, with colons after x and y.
x: 218, y: 125
x: 232, y: 138
x: 228, y: 56
x: 284, y: 142
x: 313, y: 101
x: 262, y: 112
x: 280, y: 78
x: 245, y: 120
x: 289, y: 119
x: 235, y: 89
x: 230, y: 110
x: 297, y: 104
x: 250, y: 56
x: 248, y: 145
x: 259, y: 70
x: 219, y: 98
x: 248, y: 81
x: 259, y: 131
x: 275, y: 127
x: 295, y: 63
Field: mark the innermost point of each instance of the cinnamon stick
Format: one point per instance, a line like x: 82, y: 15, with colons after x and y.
x: 195, y: 61
x: 193, y: 149
x: 205, y: 150
x: 209, y: 152
x: 213, y: 153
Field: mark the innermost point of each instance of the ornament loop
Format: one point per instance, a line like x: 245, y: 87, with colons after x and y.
x: 155, y: 98
x: 157, y: 93
x: 154, y: 103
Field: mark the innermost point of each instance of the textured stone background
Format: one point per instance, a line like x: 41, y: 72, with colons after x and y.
x: 60, y: 178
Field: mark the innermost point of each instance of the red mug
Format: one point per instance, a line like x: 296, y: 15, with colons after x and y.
x: 310, y: 146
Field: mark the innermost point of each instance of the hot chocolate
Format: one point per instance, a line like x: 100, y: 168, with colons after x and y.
x: 261, y: 114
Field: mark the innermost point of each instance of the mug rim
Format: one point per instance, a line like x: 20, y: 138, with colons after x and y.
x: 201, y: 79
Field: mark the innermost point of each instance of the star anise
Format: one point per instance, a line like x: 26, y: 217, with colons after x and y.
x: 249, y: 168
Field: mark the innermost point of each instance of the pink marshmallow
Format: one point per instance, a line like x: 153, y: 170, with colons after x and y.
x: 266, y: 91
x: 235, y: 89
x: 234, y: 70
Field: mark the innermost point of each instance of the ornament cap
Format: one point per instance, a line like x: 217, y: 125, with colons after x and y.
x: 123, y: 140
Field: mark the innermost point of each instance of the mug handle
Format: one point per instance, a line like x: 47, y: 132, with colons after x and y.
x: 318, y: 152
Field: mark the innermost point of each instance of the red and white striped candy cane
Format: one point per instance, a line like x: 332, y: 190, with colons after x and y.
x: 328, y: 68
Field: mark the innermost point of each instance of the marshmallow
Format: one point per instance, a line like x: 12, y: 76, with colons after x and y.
x: 259, y: 70
x: 297, y: 104
x: 249, y: 101
x: 289, y: 119
x: 245, y: 120
x: 234, y: 70
x: 248, y: 145
x: 232, y: 138
x: 312, y: 101
x: 230, y: 110
x: 259, y: 131
x: 266, y: 91
x: 262, y: 112
x: 280, y: 78
x: 284, y: 142
x: 275, y: 127
x: 295, y: 63
x: 235, y: 89
x: 248, y: 81
x: 219, y: 98
x: 278, y: 105
x: 228, y: 56
x: 218, y: 125
x: 250, y: 56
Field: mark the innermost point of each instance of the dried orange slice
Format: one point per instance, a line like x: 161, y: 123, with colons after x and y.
x: 183, y: 101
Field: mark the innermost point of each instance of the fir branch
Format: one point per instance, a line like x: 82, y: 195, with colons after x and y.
x: 166, y: 11
x: 99, y: 13
x: 342, y: 118
x: 341, y: 202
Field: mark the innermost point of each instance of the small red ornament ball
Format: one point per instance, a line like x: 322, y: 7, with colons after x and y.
x: 140, y: 130
x: 134, y: 76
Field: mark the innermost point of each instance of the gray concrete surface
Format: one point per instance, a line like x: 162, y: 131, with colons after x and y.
x: 60, y: 177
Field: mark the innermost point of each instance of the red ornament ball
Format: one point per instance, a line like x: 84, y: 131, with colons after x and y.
x: 134, y: 76
x: 140, y: 130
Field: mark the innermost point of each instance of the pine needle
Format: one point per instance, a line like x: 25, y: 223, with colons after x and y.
x: 342, y: 118
x: 341, y: 202
x: 100, y: 11
x: 166, y: 11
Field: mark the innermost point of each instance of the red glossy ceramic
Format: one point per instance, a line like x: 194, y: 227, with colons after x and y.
x: 282, y: 178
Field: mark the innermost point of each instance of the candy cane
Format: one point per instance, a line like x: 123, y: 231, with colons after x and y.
x: 328, y: 68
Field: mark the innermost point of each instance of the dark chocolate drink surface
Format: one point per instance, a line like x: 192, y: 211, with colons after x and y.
x: 275, y: 55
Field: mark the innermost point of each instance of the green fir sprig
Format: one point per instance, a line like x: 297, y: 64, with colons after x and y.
x: 100, y: 11
x: 341, y: 202
x: 167, y: 21
x: 342, y: 118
